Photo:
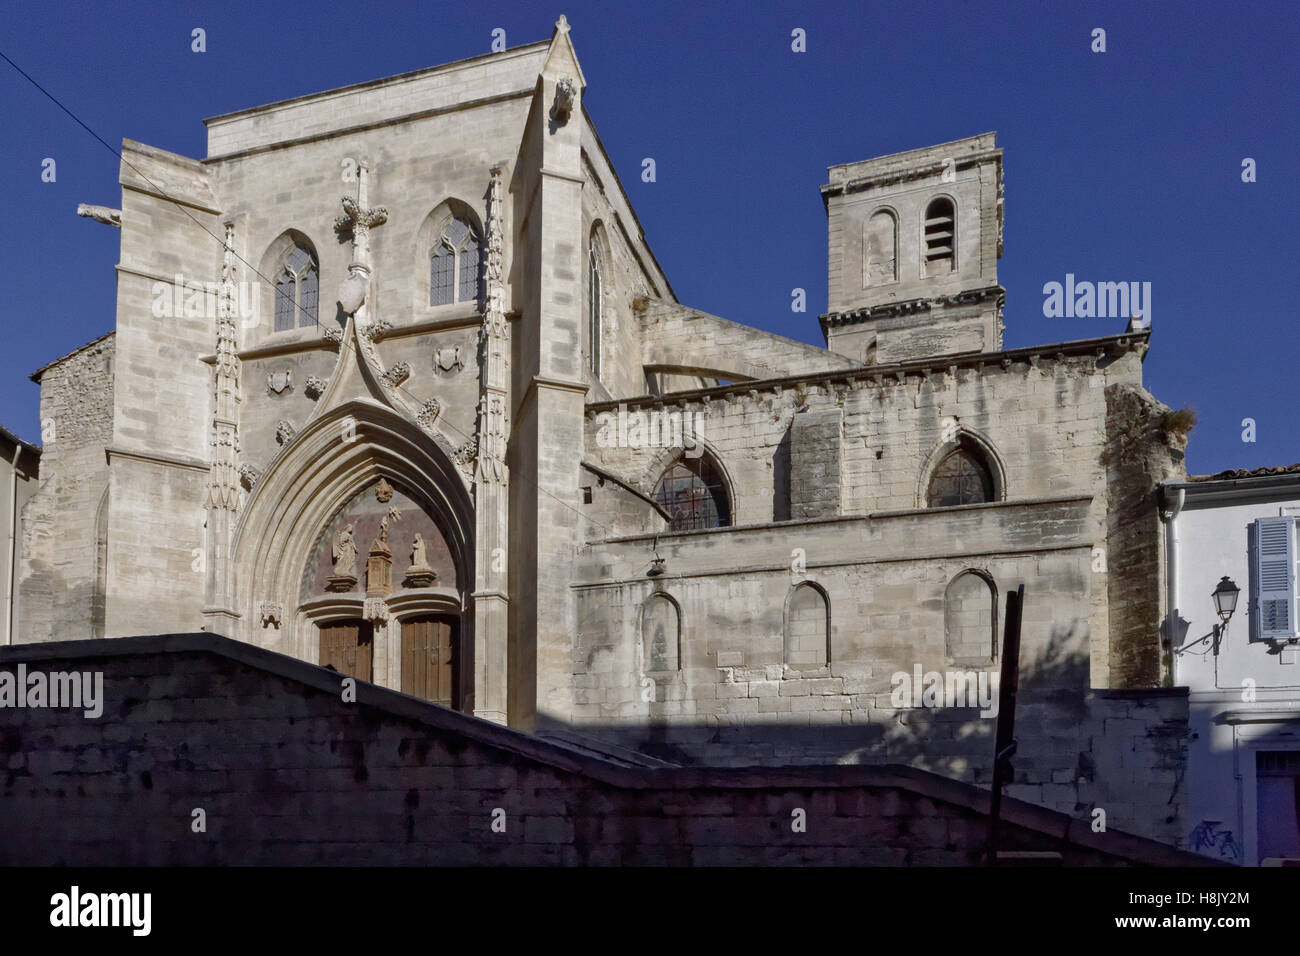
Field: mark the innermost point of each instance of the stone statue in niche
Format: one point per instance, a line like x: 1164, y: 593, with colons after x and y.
x: 419, y: 574
x: 345, y: 560
x: 379, y: 568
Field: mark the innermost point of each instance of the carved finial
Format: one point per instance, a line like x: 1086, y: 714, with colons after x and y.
x: 562, y: 25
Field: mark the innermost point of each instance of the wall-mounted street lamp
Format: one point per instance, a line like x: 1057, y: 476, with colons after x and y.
x: 1225, y: 602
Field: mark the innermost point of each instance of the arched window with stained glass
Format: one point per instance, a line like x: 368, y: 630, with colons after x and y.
x: 963, y: 477
x: 694, y: 493
x: 454, y: 265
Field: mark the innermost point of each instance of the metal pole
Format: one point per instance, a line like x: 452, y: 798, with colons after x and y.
x: 1005, y: 744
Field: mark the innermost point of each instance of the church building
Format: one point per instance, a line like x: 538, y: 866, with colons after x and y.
x: 398, y: 387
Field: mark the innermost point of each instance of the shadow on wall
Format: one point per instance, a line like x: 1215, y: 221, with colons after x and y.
x: 1077, y: 749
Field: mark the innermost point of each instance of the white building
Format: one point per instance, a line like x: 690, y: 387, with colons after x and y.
x: 1243, y: 679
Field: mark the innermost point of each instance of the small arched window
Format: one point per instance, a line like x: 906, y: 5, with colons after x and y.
x: 940, y: 237
x: 454, y: 273
x: 595, y: 289
x: 660, y: 634
x: 880, y: 249
x: 963, y: 477
x: 970, y: 619
x: 807, y: 627
x: 694, y: 494
x: 297, y: 290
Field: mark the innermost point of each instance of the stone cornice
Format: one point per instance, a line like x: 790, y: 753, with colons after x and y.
x: 567, y: 177
x: 848, y: 519
x: 909, y: 174
x: 895, y: 372
x: 888, y: 310
x: 154, y: 458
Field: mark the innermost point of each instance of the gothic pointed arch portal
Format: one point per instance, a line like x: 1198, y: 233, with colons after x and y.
x: 371, y: 470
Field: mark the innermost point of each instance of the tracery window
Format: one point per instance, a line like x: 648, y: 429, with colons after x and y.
x: 694, y: 494
x: 962, y: 478
x: 297, y: 290
x: 454, y: 273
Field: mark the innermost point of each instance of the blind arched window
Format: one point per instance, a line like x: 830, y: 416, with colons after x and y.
x: 297, y: 290
x: 970, y: 619
x: 694, y: 494
x: 454, y: 273
x: 661, y: 634
x: 807, y: 627
x: 880, y: 249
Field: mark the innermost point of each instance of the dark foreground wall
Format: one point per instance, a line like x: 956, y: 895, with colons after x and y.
x: 287, y: 772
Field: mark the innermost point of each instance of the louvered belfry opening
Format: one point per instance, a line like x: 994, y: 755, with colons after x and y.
x: 429, y: 658
x: 940, y: 237
x: 348, y: 647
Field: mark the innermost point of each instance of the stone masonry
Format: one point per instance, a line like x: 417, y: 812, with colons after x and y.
x: 870, y: 503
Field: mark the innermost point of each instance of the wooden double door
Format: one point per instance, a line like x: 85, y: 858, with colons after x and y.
x: 430, y: 654
x: 430, y: 658
x: 349, y: 648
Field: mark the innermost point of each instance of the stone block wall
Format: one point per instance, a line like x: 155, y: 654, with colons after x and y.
x: 62, y: 523
x: 1142, y: 450
x: 263, y: 751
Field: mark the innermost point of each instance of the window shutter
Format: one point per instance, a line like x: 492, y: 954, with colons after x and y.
x: 1275, y: 556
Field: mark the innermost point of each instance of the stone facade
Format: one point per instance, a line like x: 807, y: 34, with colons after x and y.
x: 20, y: 466
x: 63, y: 571
x: 232, y: 446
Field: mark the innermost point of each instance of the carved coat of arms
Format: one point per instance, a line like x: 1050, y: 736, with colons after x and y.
x: 448, y: 360
x: 279, y: 382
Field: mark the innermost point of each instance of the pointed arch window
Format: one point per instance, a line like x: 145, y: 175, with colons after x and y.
x: 694, y: 494
x: 297, y: 290
x: 454, y: 265
x: 940, y: 237
x: 595, y: 288
x: 963, y: 477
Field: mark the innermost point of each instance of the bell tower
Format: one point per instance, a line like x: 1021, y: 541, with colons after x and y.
x: 915, y: 239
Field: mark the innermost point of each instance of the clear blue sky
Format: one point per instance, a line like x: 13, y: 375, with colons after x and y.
x: 1119, y: 166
